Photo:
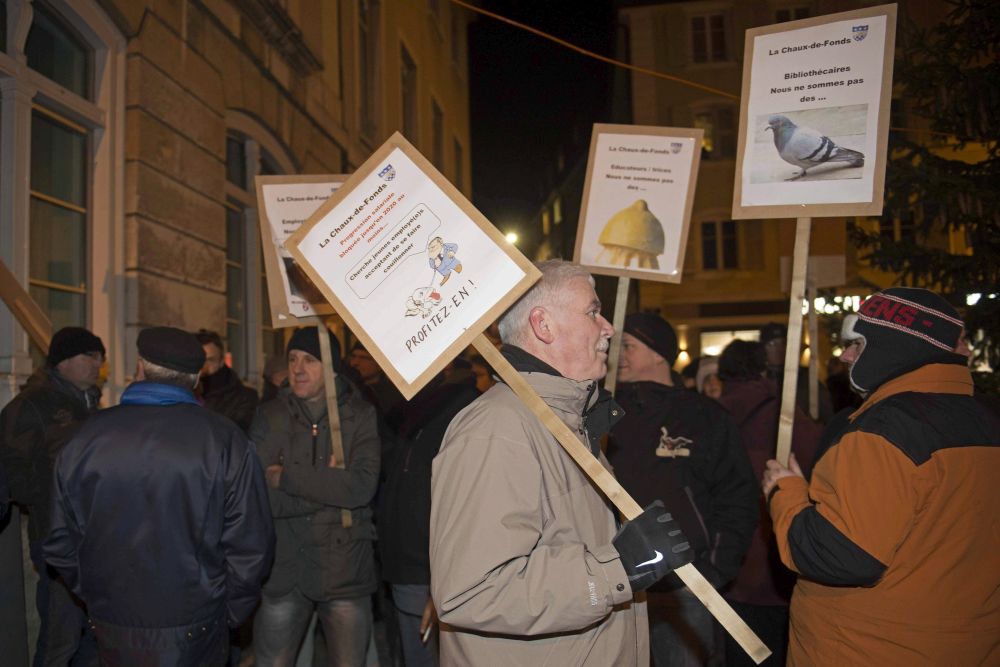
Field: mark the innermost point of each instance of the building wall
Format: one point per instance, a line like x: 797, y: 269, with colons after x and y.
x: 282, y: 77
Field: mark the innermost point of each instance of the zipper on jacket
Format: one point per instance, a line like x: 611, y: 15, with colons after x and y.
x: 315, y: 432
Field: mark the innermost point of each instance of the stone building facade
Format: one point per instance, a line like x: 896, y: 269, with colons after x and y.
x: 130, y: 133
x: 131, y: 130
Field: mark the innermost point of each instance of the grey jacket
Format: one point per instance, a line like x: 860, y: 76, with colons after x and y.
x: 522, y: 567
x: 314, y: 550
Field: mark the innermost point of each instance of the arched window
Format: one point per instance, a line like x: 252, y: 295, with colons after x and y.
x: 251, y: 150
x: 62, y: 80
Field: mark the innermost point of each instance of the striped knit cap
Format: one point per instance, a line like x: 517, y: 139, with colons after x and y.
x: 904, y: 328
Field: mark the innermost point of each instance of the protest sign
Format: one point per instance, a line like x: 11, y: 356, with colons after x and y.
x: 410, y: 264
x: 283, y: 204
x: 637, y: 201
x: 814, y: 118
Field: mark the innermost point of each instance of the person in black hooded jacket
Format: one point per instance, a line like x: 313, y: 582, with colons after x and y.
x: 160, y: 517
x: 405, y: 503
x: 220, y: 388
x: 681, y: 447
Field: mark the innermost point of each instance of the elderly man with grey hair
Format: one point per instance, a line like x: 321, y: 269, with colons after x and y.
x: 160, y: 516
x: 526, y: 565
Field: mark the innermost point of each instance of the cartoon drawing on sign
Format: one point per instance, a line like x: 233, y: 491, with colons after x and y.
x: 633, y: 234
x: 298, y: 282
x: 422, y: 302
x: 441, y: 257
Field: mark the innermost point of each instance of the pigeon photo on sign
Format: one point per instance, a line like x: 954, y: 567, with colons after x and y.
x: 811, y: 145
x: 814, y: 119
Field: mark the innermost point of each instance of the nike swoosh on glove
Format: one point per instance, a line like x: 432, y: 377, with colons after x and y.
x: 651, y: 546
x: 806, y: 148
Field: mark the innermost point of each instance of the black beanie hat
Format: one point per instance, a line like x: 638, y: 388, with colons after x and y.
x: 655, y: 332
x: 904, y: 328
x: 307, y: 340
x: 71, y: 341
x: 171, y: 348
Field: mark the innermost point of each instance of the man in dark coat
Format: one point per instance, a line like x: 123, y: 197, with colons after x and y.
x: 405, y: 504
x: 221, y: 389
x: 34, y: 427
x: 763, y: 587
x: 323, y: 519
x: 681, y: 446
x: 160, y: 520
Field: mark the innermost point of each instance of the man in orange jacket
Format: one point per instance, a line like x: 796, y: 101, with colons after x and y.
x: 896, y: 535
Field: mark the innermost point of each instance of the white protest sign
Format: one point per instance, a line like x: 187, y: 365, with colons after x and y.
x: 283, y: 204
x: 412, y: 267
x: 637, y: 201
x: 815, y: 116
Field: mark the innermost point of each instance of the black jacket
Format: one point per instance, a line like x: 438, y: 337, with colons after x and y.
x: 161, y: 525
x: 223, y: 392
x: 34, y: 427
x: 405, y: 501
x: 315, y: 551
x: 712, y: 491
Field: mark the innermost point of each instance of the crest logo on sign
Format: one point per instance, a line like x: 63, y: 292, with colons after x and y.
x: 860, y: 32
x: 676, y: 146
x: 387, y: 173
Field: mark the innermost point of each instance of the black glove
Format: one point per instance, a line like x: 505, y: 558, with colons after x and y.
x: 651, y: 546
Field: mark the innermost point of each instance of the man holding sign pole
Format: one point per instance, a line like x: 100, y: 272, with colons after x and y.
x: 324, y: 558
x: 526, y: 565
x: 895, y: 535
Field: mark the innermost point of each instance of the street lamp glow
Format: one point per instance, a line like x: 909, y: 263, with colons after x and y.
x: 511, y: 238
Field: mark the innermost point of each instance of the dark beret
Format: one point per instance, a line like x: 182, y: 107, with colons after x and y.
x: 171, y: 348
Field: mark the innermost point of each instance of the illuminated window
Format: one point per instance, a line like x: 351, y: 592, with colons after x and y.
x: 719, y: 125
x: 714, y: 342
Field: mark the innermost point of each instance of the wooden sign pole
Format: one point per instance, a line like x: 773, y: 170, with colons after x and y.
x: 796, y: 294
x: 332, y: 411
x: 32, y: 318
x: 618, y: 322
x: 608, y: 485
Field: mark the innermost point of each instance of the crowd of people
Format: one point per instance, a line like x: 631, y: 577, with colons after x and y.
x: 197, y: 523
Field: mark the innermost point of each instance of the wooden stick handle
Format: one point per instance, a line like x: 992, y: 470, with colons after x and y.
x: 332, y: 411
x: 793, y: 343
x: 28, y: 314
x: 610, y: 487
x: 615, y: 351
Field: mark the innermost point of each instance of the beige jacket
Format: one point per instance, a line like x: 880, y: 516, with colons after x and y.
x: 522, y: 567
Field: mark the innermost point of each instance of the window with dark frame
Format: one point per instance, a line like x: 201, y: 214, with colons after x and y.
x: 786, y: 14
x: 437, y: 127
x: 708, y: 38
x: 719, y: 245
x: 408, y: 84
x: 367, y: 54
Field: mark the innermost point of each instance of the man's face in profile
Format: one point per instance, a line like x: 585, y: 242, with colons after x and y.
x: 580, y: 348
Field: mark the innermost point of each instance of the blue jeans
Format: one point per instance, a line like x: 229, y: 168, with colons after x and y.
x: 682, y: 632
x: 410, y: 600
x: 281, y: 623
x: 64, y: 636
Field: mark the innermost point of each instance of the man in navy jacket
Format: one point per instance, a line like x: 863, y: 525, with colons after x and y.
x: 160, y: 518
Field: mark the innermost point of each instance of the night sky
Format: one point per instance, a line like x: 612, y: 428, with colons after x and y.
x: 528, y: 95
